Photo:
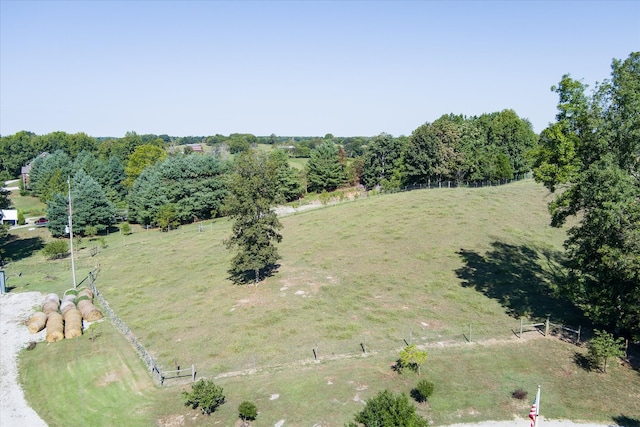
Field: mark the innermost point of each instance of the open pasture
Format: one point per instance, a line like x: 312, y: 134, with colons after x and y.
x: 375, y: 273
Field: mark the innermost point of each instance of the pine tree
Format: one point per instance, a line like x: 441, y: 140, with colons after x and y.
x: 253, y: 188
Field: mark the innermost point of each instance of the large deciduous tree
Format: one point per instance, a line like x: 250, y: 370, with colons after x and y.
x: 142, y: 157
x: 253, y: 192
x: 382, y: 162
x: 592, y: 154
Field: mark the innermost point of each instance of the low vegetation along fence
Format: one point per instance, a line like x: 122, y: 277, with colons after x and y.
x: 454, y: 184
x: 156, y: 372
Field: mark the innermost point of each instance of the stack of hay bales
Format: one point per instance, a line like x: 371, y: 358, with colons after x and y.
x: 85, y: 304
x: 68, y: 301
x: 72, y: 323
x: 37, y: 322
x: 55, y: 330
x: 51, y: 304
x: 64, y: 320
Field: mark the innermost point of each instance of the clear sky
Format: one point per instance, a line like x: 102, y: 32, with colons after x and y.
x: 304, y: 68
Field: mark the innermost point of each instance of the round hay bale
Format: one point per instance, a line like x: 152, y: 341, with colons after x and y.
x: 72, y: 324
x: 50, y: 307
x: 86, y: 292
x: 37, y: 322
x: 55, y: 330
x: 69, y: 297
x: 52, y: 297
x: 66, y: 306
x: 82, y: 298
x: 89, y: 312
x: 72, y: 313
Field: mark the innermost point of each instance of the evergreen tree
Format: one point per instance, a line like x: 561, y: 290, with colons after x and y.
x: 253, y: 191
x: 324, y: 171
x: 90, y: 205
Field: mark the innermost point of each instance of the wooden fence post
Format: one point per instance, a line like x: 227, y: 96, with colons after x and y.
x: 193, y: 373
x: 520, y: 328
x: 546, y: 328
x: 580, y: 326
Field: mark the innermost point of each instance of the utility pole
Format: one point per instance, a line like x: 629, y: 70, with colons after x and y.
x: 73, y: 267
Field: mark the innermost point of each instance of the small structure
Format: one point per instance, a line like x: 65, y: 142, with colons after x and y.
x: 9, y: 216
x: 196, y: 148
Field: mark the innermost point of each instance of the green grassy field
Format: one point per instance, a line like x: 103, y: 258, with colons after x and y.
x: 419, y: 266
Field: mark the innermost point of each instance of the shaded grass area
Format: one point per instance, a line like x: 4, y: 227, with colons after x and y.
x: 96, y: 380
x: 414, y: 267
x: 29, y: 205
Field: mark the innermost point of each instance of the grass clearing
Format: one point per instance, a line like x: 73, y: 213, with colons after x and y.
x: 416, y: 266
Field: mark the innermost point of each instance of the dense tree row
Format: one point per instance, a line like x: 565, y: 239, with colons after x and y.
x: 592, y: 154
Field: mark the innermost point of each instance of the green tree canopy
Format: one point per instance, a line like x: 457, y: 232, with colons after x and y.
x: 253, y: 191
x: 324, y: 171
x: 142, y: 157
x: 90, y: 207
x: 593, y: 154
x: 383, y: 161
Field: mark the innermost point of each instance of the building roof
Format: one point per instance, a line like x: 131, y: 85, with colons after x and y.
x: 9, y: 214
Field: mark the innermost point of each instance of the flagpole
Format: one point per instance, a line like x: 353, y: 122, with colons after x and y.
x: 537, y: 407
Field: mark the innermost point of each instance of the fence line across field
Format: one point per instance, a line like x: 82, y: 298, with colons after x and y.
x: 318, y: 350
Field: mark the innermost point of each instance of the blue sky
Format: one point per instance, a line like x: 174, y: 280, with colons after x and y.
x: 295, y: 67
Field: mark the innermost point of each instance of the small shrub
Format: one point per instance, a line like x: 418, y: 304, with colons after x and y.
x: 519, y: 394
x: 103, y: 242
x: 205, y: 395
x: 56, y: 249
x: 91, y: 230
x: 247, y: 411
x: 424, y: 389
x: 125, y: 228
x: 21, y: 220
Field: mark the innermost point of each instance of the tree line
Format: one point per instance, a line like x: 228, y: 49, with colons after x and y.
x: 589, y: 157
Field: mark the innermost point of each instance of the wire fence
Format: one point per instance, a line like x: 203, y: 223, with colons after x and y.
x: 149, y: 361
x: 385, y: 342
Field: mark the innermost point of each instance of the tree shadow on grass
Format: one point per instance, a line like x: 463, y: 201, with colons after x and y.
x: 16, y: 249
x: 624, y: 421
x: 514, y: 276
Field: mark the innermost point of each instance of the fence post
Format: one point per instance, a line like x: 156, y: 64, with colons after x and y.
x: 580, y: 326
x: 193, y: 373
x: 520, y: 328
x: 546, y: 328
x: 469, y: 331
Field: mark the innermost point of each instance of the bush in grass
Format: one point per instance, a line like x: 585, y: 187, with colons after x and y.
x: 519, y: 394
x: 386, y: 409
x: 90, y: 230
x: 56, y: 249
x: 604, y: 346
x: 412, y: 358
x: 205, y: 395
x: 125, y: 228
x: 423, y: 390
x: 21, y: 220
x: 247, y: 411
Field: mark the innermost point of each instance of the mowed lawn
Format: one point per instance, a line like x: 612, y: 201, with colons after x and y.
x: 426, y: 267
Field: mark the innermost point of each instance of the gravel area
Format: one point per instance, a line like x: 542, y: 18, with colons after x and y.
x: 14, y: 336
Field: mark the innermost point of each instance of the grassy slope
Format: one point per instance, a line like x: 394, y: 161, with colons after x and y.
x: 420, y: 265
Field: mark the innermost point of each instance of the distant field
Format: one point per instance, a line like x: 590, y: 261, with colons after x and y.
x: 418, y: 266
